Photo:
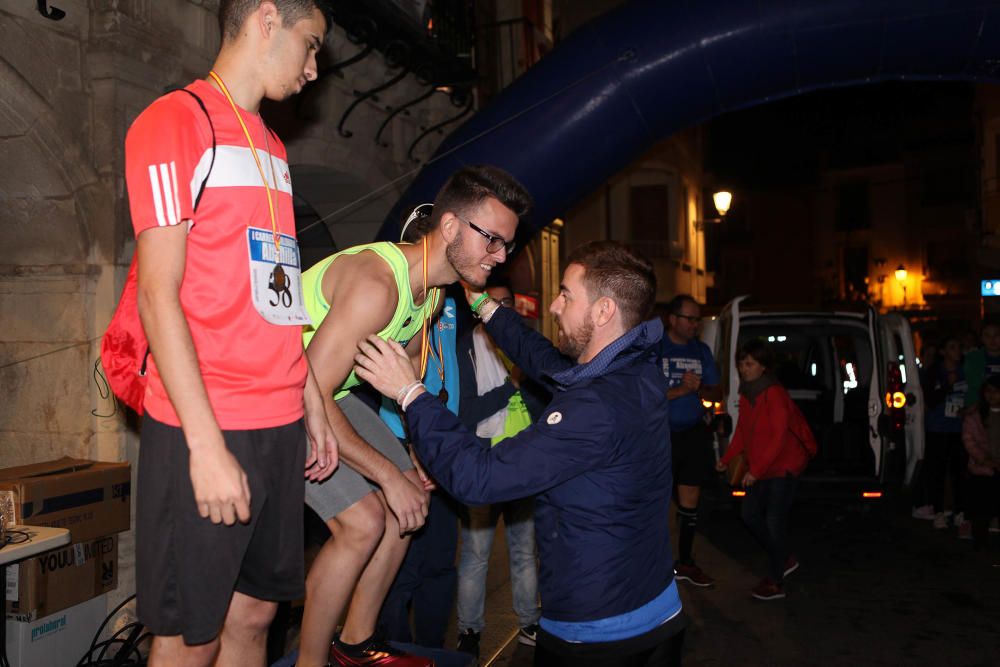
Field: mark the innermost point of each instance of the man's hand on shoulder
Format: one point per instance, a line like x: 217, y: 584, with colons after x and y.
x: 360, y: 304
x: 221, y: 488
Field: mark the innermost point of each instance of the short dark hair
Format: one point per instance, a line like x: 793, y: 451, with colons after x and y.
x: 759, y: 350
x: 676, y: 304
x: 232, y: 13
x: 470, y: 186
x: 619, y: 273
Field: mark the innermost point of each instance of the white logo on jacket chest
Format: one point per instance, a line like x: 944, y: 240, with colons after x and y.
x: 554, y: 418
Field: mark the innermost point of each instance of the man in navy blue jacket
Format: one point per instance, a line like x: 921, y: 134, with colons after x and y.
x: 598, y: 460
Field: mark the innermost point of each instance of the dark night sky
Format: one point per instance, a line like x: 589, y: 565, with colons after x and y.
x: 787, y: 143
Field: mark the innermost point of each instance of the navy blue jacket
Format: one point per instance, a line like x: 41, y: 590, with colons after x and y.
x: 598, y: 461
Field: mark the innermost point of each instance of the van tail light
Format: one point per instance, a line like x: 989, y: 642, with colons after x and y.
x: 871, y: 495
x: 895, y: 398
x: 739, y: 493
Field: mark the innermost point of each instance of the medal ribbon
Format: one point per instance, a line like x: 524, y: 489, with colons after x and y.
x: 260, y: 168
x: 424, y: 342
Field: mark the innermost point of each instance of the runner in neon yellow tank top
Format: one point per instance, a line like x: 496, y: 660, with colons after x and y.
x: 376, y: 497
x: 408, y: 318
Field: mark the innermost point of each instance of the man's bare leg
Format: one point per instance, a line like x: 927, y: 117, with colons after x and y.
x: 688, y: 496
x: 244, y: 635
x: 171, y: 651
x: 377, y: 577
x: 356, y: 532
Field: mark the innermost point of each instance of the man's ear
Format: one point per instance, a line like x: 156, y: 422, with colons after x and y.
x: 606, y: 309
x: 268, y: 18
x: 448, y: 226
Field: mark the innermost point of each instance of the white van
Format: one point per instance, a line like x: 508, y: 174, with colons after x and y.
x: 855, y: 377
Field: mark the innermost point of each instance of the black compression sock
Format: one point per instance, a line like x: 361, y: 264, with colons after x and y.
x: 353, y: 650
x: 687, y: 524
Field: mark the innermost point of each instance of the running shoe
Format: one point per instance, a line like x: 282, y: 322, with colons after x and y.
x: 768, y: 589
x: 692, y: 574
x: 924, y: 512
x: 376, y: 652
x: 791, y: 565
x: 468, y: 642
x: 528, y: 634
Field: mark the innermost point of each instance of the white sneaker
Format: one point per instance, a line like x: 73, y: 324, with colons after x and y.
x: 924, y: 512
x: 959, y: 519
x: 940, y: 522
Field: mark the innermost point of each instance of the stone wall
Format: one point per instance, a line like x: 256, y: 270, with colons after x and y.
x: 677, y: 246
x: 71, y: 89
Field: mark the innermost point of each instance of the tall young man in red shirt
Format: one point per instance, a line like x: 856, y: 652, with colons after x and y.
x: 231, y: 400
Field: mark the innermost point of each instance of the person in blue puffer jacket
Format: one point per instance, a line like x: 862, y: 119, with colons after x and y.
x: 598, y: 460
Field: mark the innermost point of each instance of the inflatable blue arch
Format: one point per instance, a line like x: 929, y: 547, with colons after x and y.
x: 652, y: 67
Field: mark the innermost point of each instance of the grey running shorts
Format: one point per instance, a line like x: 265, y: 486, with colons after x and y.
x: 346, y: 486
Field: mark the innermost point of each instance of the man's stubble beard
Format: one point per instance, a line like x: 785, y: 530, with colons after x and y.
x: 459, y: 262
x: 573, y: 345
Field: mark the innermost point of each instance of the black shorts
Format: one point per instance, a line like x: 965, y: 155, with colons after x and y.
x: 187, y: 567
x: 693, y: 457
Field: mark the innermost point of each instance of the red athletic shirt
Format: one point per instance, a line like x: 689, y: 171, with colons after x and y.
x: 254, y: 371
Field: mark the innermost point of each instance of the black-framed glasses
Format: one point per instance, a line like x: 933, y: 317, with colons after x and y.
x: 493, y: 243
x: 693, y: 319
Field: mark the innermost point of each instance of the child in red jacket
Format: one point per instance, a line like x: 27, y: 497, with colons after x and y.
x: 775, y: 457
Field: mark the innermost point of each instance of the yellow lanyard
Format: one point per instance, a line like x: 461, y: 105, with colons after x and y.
x: 424, y: 342
x: 256, y: 158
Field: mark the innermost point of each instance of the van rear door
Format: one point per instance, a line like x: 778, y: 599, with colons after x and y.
x: 897, y: 339
x: 725, y: 355
x: 876, y: 389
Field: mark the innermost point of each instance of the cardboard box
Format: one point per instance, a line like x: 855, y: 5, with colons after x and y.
x: 58, y: 640
x: 58, y: 579
x: 90, y: 498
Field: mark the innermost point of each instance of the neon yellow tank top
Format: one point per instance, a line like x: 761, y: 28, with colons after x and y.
x: 405, y: 322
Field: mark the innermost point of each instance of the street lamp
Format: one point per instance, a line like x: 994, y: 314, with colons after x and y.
x: 901, y: 278
x: 722, y: 199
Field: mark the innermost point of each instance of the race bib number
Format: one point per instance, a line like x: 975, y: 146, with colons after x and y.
x: 276, y: 278
x: 955, y: 401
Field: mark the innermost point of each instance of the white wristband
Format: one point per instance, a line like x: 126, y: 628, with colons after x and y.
x: 404, y: 390
x: 406, y: 399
